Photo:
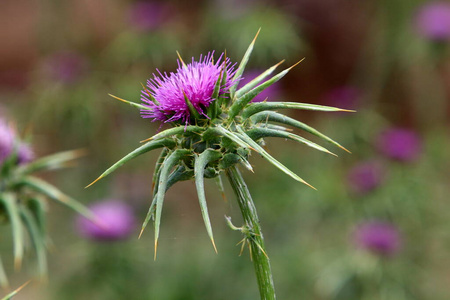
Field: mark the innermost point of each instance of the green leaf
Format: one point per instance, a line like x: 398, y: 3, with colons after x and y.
x: 38, y: 206
x: 51, y: 162
x: 254, y: 108
x: 169, y: 163
x: 38, y: 239
x: 219, y: 130
x: 242, y: 101
x: 257, y: 80
x: 191, y: 129
x: 271, y: 116
x: 169, y: 143
x: 258, y: 133
x: 12, y: 294
x: 3, y: 278
x: 242, y: 65
x: 55, y: 194
x: 158, y: 165
x: 11, y: 206
x: 193, y: 112
x: 267, y: 156
x: 201, y: 161
x: 219, y: 182
x: 137, y: 105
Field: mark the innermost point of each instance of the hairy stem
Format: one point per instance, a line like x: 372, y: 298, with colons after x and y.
x: 260, y: 260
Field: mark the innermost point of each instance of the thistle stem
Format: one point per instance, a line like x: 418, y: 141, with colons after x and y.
x: 260, y: 260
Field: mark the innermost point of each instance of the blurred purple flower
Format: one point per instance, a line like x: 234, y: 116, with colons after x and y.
x: 195, y: 80
x: 433, y: 20
x: 400, y: 144
x: 365, y: 177
x: 116, y: 221
x: 378, y: 237
x: 67, y: 67
x: 148, y: 15
x: 7, y: 137
x: 25, y: 154
x: 342, y: 97
x: 270, y: 93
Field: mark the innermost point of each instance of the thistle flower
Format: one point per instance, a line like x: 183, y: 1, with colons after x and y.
x: 433, y: 20
x: 7, y: 137
x: 170, y: 98
x: 23, y: 196
x: 215, y: 126
x: 379, y: 237
x: 25, y: 154
x: 115, y: 221
x: 400, y: 144
x: 365, y: 177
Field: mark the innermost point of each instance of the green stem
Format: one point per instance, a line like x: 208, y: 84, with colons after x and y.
x: 260, y: 260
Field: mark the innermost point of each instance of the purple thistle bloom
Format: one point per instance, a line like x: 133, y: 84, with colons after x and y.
x: 269, y: 93
x: 365, y: 177
x: 116, y: 221
x: 195, y: 80
x: 433, y: 20
x: 146, y: 16
x: 7, y: 137
x: 400, y: 144
x: 25, y: 154
x: 378, y: 237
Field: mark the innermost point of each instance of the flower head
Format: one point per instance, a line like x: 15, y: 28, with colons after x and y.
x: 400, y: 144
x: 116, y: 221
x: 194, y: 82
x: 7, y: 137
x: 378, y: 237
x: 365, y: 177
x: 25, y: 154
x: 433, y: 20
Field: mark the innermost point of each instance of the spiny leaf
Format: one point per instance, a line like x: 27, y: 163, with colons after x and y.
x: 200, y: 163
x: 141, y: 150
x: 272, y: 116
x: 258, y: 133
x: 149, y: 94
x: 254, y: 108
x: 219, y: 130
x: 267, y: 156
x: 169, y: 163
x: 12, y: 294
x: 137, y: 105
x: 242, y: 101
x: 11, y: 206
x: 37, y: 238
x: 175, y: 131
x: 219, y: 183
x: 180, y: 174
x: 257, y: 80
x: 242, y: 65
x: 38, y: 205
x: 51, y: 162
x: 158, y: 165
x: 3, y: 278
x: 55, y: 194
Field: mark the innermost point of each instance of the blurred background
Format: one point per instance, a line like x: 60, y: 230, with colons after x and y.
x: 377, y: 228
